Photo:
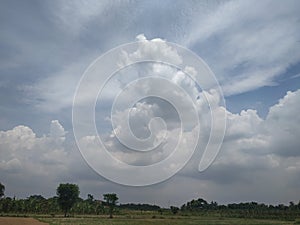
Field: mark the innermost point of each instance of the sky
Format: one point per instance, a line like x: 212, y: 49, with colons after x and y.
x: 252, y: 48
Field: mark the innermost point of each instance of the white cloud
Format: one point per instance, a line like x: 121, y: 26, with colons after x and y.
x: 56, y: 129
x: 251, y: 47
x: 282, y: 125
x: 55, y: 93
x: 155, y: 49
x: 251, y: 80
x: 254, y: 144
x: 22, y: 152
x: 253, y: 157
x: 245, y: 124
x: 254, y: 154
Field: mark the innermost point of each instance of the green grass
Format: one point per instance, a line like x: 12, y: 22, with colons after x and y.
x: 160, y: 220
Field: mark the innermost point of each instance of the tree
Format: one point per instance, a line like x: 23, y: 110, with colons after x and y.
x: 111, y: 200
x: 36, y: 203
x: 174, y: 209
x: 67, y: 196
x: 90, y: 198
x: 2, y: 189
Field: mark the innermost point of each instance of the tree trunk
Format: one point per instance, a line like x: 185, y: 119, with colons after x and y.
x: 110, y: 213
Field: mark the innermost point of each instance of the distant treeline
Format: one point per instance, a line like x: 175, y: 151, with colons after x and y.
x: 37, y: 204
x: 143, y: 207
x: 242, y: 210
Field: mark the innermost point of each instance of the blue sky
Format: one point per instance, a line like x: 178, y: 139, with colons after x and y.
x: 253, y: 48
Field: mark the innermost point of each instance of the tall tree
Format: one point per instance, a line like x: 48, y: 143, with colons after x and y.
x: 111, y: 200
x: 67, y: 196
x: 2, y: 189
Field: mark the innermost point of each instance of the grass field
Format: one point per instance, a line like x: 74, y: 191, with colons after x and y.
x: 167, y: 220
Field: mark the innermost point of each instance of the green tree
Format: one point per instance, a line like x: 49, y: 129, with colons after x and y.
x: 53, y: 205
x: 174, y: 209
x: 36, y: 203
x: 111, y: 200
x: 6, y: 204
x: 67, y: 196
x: 90, y: 198
x: 2, y: 189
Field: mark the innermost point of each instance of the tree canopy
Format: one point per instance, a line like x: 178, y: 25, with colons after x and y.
x: 2, y: 189
x: 67, y: 194
x: 111, y: 200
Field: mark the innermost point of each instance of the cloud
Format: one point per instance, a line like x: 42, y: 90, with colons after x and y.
x: 282, y: 124
x: 51, y: 94
x: 11, y: 166
x: 249, y: 141
x: 45, y: 48
x: 155, y: 49
x: 247, y: 56
x: 178, y: 94
x: 23, y: 146
x: 245, y: 124
x: 38, y: 162
x: 76, y: 15
x: 256, y: 153
x: 253, y: 145
x: 251, y: 48
x: 56, y: 129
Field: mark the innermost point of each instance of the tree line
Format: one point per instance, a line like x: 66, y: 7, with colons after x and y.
x: 242, y: 210
x: 68, y: 202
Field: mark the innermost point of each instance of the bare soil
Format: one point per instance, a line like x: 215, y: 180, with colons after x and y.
x: 20, y: 221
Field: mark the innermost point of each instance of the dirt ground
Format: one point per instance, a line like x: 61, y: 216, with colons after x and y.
x: 19, y: 221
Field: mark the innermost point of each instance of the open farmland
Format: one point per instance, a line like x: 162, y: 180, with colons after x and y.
x: 19, y: 221
x: 164, y: 220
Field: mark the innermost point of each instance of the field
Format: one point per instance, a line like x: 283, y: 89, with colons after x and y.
x: 134, y: 217
x: 19, y: 221
x: 164, y: 220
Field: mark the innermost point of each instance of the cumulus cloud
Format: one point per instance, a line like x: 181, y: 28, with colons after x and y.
x: 282, y: 125
x: 142, y: 123
x: 21, y: 146
x: 155, y: 49
x: 257, y: 153
x: 248, y: 140
x: 254, y: 145
x: 56, y: 129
